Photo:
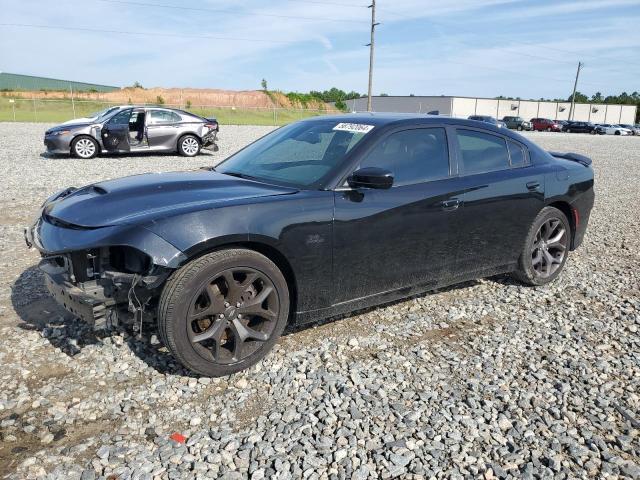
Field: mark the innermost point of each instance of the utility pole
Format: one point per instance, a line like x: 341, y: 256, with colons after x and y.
x: 371, y: 46
x: 575, y: 86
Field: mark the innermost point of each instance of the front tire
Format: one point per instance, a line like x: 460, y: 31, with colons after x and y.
x: 84, y: 147
x: 519, y: 128
x: 546, y: 248
x: 189, y: 146
x: 223, y: 312
x: 617, y: 132
x: 548, y: 129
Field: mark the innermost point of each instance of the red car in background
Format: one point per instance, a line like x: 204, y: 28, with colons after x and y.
x: 545, y: 125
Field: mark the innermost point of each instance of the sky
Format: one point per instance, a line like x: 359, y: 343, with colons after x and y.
x: 484, y: 48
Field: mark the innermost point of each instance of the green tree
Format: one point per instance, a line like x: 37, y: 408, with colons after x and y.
x: 263, y: 84
x: 137, y: 85
x: 597, y: 98
x: 580, y: 98
x: 159, y: 100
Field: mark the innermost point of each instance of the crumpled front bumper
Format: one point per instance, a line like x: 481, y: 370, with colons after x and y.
x: 89, y: 308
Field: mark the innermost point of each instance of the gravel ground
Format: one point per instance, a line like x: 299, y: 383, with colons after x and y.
x: 488, y: 379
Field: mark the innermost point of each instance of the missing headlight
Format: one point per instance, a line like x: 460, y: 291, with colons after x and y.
x: 129, y: 260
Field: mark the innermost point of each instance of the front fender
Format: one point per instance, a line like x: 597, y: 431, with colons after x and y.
x: 52, y: 239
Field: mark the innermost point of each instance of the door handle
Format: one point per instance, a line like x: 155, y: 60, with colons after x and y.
x: 452, y: 204
x: 533, y: 185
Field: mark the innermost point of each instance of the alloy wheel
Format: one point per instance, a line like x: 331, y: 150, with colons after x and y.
x: 85, y: 148
x: 190, y: 146
x: 232, y: 315
x: 549, y: 247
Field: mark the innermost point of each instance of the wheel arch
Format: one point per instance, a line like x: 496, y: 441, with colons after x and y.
x: 565, y: 208
x: 184, y: 134
x: 88, y: 135
x: 269, y: 251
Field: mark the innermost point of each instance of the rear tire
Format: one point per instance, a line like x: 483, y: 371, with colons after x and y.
x: 546, y: 248
x: 617, y: 132
x: 189, y: 146
x: 519, y: 128
x: 223, y: 312
x: 84, y: 147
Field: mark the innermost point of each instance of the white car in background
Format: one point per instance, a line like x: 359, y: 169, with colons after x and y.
x: 612, y: 129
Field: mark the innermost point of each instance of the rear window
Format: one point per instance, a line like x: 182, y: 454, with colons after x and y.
x: 482, y: 152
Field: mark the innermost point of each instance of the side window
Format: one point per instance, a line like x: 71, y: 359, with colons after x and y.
x: 163, y: 116
x: 517, y: 154
x: 121, y: 118
x: 482, y: 152
x: 413, y: 156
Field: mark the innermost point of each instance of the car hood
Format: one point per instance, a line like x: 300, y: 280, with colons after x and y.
x: 82, y: 120
x: 69, y: 126
x: 144, y: 198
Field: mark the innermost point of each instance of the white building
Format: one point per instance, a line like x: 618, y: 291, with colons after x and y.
x: 465, y: 106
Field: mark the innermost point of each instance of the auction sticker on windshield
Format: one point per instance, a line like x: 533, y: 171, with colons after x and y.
x: 353, y: 127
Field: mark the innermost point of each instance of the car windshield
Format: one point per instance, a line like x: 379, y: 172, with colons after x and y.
x: 301, y: 154
x: 102, y: 113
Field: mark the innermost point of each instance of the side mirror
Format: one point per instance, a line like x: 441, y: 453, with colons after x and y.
x: 371, y: 177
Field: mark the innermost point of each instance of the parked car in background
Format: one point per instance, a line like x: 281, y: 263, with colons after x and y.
x: 488, y: 119
x: 224, y: 258
x: 562, y: 123
x: 612, y: 129
x: 635, y: 129
x: 579, y: 127
x: 545, y: 125
x: 130, y: 128
x: 516, y: 123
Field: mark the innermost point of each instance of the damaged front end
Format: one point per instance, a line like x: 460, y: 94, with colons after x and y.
x: 104, y: 275
x: 105, y: 286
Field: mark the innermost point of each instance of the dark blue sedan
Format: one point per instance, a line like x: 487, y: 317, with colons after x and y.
x: 318, y: 218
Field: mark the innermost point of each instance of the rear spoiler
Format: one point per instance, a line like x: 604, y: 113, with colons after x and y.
x: 575, y: 157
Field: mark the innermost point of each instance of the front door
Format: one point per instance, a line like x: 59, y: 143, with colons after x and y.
x: 401, y: 237
x: 503, y: 195
x: 115, y: 133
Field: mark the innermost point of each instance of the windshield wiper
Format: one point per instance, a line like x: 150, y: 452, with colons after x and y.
x: 241, y: 175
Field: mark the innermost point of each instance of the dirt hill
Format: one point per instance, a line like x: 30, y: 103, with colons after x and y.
x: 180, y: 96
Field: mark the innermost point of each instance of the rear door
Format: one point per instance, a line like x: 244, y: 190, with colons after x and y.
x: 115, y: 133
x: 385, y: 240
x: 162, y: 128
x: 503, y: 194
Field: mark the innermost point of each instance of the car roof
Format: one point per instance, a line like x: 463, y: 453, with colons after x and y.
x: 380, y: 119
x: 383, y: 119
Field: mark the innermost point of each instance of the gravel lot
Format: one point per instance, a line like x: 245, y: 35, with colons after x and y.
x: 488, y: 379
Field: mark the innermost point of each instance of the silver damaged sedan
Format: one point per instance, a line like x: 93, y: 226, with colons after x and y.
x: 129, y: 128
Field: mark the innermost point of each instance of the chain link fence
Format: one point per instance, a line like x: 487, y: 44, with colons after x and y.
x: 58, y: 110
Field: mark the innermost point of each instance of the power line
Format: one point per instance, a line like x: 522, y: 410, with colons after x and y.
x: 227, y: 12
x: 149, y: 34
x: 329, y: 3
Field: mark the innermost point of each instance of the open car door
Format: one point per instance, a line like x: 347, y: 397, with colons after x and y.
x: 115, y: 133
